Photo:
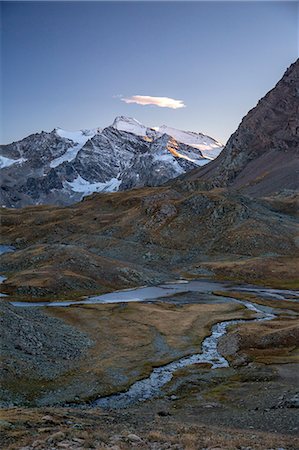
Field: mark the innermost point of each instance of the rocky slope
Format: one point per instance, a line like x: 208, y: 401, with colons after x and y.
x: 262, y: 156
x: 168, y: 425
x: 62, y: 167
x: 163, y: 230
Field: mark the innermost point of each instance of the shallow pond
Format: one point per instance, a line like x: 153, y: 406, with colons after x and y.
x: 168, y: 290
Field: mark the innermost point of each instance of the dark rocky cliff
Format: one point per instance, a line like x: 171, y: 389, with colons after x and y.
x: 261, y: 157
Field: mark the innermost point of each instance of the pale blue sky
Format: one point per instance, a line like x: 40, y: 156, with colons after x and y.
x: 67, y: 63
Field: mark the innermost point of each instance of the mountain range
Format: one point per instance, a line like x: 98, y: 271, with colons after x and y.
x: 62, y: 167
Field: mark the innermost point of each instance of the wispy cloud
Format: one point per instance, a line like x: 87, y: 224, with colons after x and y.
x: 162, y: 102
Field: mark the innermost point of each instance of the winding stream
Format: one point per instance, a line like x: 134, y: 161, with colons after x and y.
x: 151, y: 387
x: 6, y: 249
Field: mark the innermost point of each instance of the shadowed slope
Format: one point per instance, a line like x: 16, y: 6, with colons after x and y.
x: 261, y: 157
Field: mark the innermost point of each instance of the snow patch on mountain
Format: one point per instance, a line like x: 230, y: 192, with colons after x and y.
x: 69, y: 155
x: 79, y: 138
x: 209, y: 147
x: 86, y: 188
x: 195, y: 160
x: 169, y: 158
x: 7, y: 162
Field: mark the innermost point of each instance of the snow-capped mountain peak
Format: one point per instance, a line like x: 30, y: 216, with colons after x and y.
x: 130, y: 125
x: 209, y: 147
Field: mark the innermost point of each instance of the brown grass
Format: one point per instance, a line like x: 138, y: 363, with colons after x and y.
x: 128, y: 341
x: 274, y: 342
x: 130, y: 225
x: 125, y: 336
x: 280, y: 272
x: 276, y: 304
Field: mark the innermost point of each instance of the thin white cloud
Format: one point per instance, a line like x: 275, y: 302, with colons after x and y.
x: 162, y: 102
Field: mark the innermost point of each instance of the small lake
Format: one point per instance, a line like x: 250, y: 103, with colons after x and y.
x: 169, y: 290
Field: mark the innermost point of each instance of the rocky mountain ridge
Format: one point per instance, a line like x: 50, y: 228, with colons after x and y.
x: 62, y: 167
x: 262, y: 157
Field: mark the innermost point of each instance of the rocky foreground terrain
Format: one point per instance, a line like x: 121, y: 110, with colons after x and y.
x: 225, y: 221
